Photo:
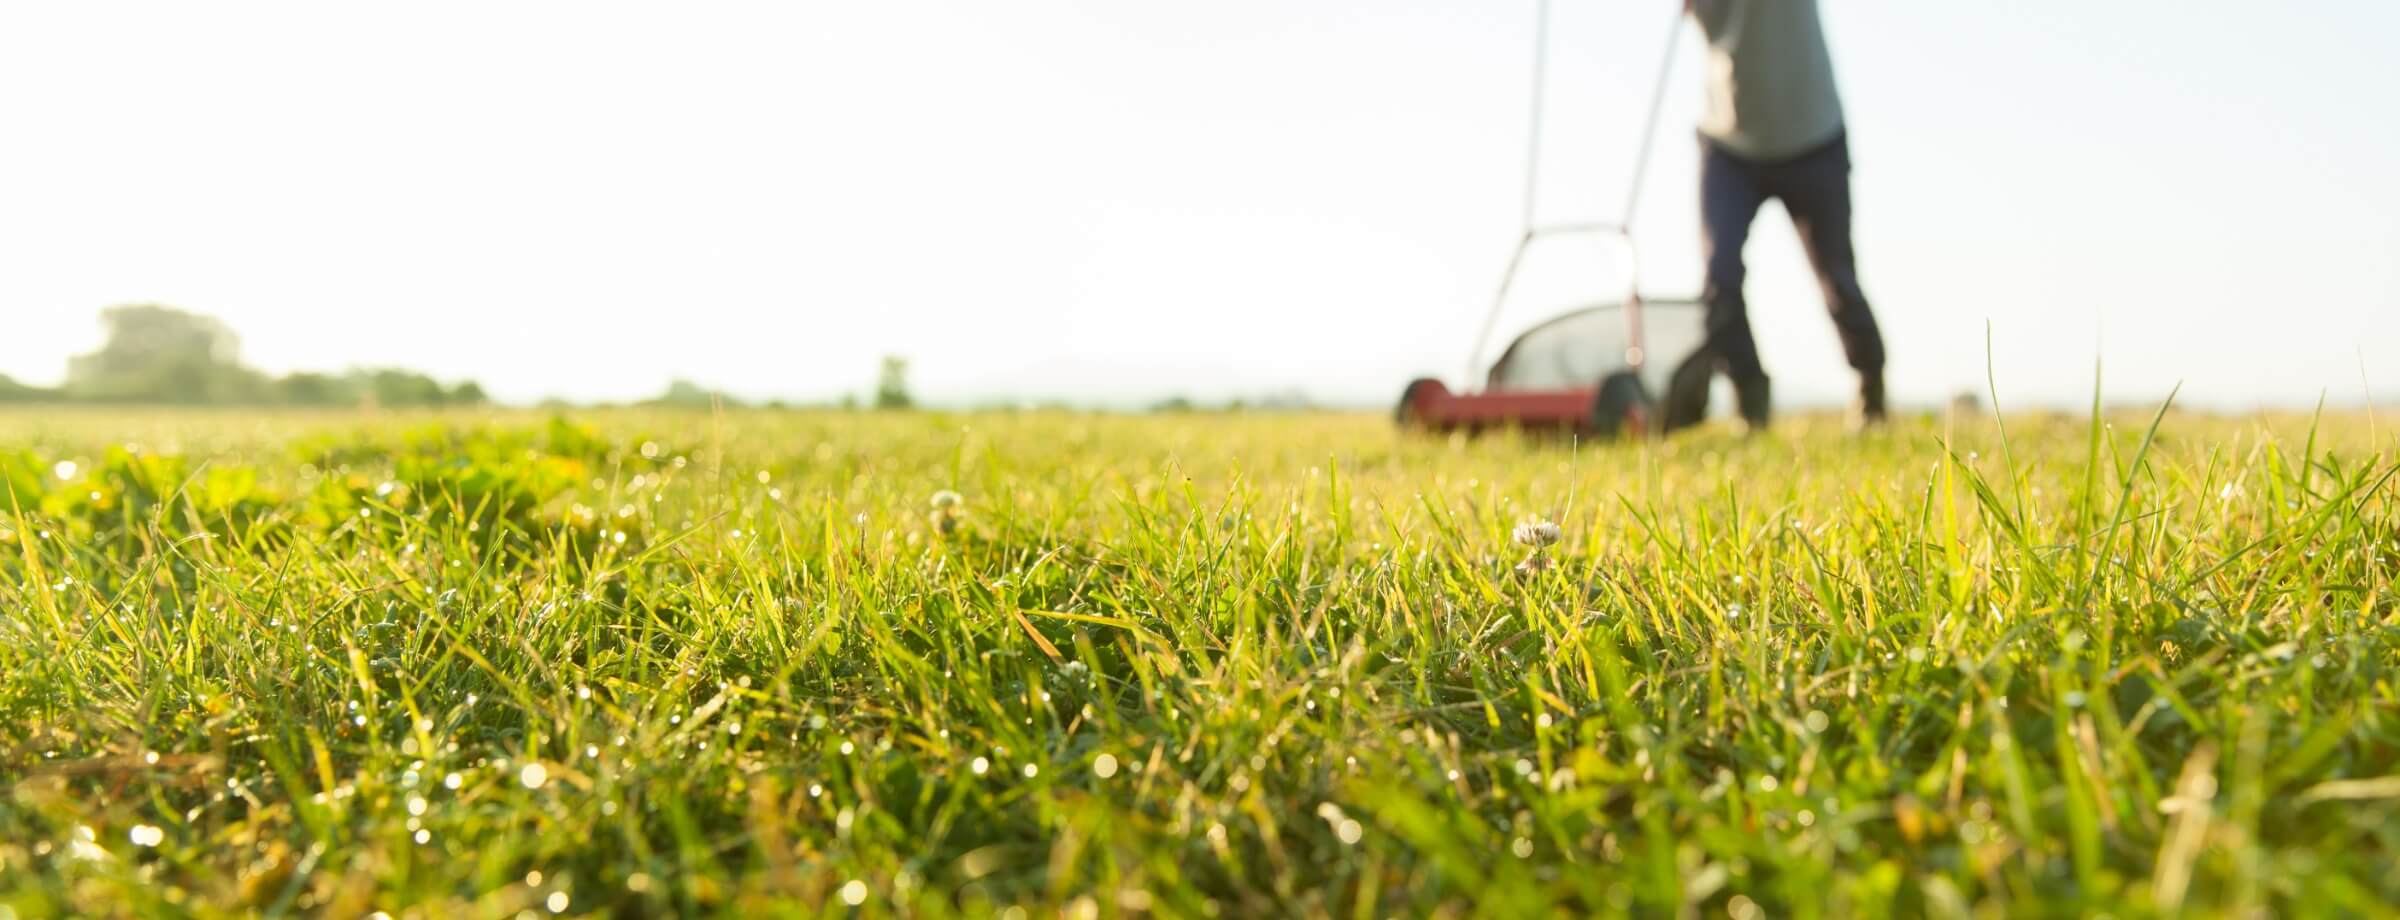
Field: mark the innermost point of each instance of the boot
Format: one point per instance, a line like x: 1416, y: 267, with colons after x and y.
x: 1752, y: 397
x: 1685, y: 403
x: 1868, y: 413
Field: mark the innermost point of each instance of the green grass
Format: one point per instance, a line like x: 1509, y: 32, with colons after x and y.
x: 472, y: 665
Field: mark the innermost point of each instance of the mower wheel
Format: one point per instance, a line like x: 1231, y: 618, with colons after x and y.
x: 1621, y: 406
x: 1410, y: 412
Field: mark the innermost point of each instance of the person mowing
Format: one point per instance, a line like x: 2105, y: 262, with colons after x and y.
x: 1773, y: 129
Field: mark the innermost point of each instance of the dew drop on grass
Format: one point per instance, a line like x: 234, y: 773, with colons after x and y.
x: 1031, y: 771
x: 424, y: 837
x: 854, y: 892
x: 1104, y: 766
x: 147, y: 835
x: 533, y: 776
x: 980, y: 766
x: 453, y: 781
x: 557, y: 902
x: 416, y: 805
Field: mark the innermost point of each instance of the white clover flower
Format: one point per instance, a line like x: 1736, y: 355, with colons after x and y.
x: 1537, y: 533
x: 945, y: 500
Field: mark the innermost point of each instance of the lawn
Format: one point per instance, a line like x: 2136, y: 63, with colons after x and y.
x: 492, y: 664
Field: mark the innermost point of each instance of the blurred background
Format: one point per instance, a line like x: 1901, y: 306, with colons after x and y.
x: 1117, y: 203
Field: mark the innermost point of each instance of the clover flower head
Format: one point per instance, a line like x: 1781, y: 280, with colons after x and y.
x: 1537, y: 533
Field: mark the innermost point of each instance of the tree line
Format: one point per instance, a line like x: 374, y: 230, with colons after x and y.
x: 164, y: 356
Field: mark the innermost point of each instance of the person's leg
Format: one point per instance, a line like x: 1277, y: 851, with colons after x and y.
x: 1730, y: 195
x: 1815, y: 190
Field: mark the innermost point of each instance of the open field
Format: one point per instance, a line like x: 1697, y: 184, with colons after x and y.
x: 479, y: 664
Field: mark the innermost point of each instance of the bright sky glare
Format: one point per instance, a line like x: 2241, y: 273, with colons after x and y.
x: 1112, y: 200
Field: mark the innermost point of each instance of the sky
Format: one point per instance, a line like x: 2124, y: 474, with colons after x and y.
x: 1115, y: 200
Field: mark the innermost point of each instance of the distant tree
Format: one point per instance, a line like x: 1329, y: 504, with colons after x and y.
x: 1173, y: 404
x: 395, y: 388
x: 684, y: 394
x: 891, y: 384
x: 12, y: 391
x: 467, y: 393
x: 308, y: 388
x: 161, y: 354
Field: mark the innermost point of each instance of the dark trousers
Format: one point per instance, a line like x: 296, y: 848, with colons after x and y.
x: 1815, y: 189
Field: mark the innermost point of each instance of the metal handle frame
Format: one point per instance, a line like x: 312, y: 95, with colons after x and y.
x: 1619, y: 231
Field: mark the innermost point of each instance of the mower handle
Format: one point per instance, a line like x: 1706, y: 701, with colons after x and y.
x: 1621, y: 231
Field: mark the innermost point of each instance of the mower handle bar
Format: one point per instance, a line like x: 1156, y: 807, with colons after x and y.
x: 1625, y: 248
x: 1621, y: 231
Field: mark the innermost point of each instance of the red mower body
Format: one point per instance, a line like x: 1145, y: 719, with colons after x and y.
x: 1606, y: 370
x: 1429, y: 404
